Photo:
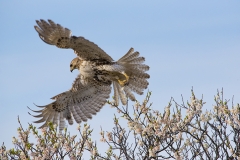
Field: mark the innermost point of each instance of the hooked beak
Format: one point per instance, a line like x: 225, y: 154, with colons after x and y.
x: 71, y: 70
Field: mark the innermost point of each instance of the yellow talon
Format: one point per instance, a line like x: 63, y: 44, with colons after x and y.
x: 125, y: 81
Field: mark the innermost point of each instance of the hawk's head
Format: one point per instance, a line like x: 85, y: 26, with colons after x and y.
x: 75, y: 64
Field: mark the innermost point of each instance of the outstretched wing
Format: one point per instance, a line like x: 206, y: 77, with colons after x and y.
x: 55, y: 34
x: 84, y: 99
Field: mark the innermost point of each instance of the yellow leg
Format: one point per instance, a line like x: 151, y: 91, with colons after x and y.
x: 125, y: 81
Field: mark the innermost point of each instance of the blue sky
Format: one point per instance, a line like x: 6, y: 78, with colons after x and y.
x: 186, y: 44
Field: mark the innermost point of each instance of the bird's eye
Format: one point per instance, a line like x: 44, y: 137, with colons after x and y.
x: 70, y: 65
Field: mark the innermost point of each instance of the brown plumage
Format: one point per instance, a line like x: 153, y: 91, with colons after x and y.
x: 98, y: 72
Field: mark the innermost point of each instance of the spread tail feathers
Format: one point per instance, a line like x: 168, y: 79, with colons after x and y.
x: 134, y: 70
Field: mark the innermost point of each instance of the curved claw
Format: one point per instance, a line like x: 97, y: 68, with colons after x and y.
x: 125, y: 81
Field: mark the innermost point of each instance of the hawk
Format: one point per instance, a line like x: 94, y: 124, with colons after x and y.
x: 98, y: 72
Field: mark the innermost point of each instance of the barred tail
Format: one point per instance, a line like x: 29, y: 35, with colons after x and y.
x: 135, y: 70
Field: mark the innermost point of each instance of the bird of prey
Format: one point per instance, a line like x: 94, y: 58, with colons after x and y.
x: 98, y: 72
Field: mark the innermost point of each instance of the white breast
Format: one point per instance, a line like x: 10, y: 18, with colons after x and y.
x: 86, y: 69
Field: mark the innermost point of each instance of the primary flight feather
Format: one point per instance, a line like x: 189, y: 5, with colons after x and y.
x: 98, y: 72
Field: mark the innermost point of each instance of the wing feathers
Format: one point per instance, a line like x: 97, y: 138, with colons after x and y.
x: 85, y: 111
x: 52, y: 24
x: 81, y: 113
x: 75, y: 114
x: 55, y: 119
x: 61, y: 122
x: 55, y: 34
x: 85, y: 99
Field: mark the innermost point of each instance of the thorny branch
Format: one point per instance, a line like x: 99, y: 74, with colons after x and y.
x: 182, y: 131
